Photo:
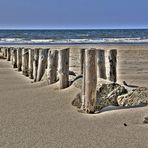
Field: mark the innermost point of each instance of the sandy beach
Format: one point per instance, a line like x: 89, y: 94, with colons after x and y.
x: 33, y: 115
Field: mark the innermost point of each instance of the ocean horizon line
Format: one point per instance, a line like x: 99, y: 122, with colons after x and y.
x: 74, y: 28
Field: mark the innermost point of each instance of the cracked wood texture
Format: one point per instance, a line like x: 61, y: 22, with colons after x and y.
x: 42, y: 63
x: 112, y: 58
x: 63, y: 68
x: 90, y: 79
x: 35, y: 63
x: 82, y: 59
x: 52, y: 66
x: 19, y: 59
x: 101, y: 68
x: 8, y: 54
x: 30, y: 65
x: 14, y: 58
x: 25, y: 58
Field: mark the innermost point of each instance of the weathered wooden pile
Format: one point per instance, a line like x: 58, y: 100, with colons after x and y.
x: 34, y: 62
x: 95, y: 66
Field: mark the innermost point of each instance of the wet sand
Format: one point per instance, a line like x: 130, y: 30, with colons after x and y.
x: 41, y: 116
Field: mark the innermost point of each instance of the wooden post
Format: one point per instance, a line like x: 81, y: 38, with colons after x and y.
x: 8, y: 54
x: 11, y: 55
x: 63, y: 68
x: 19, y: 59
x: 35, y: 63
x: 83, y: 82
x: 101, y: 69
x: 2, y: 50
x: 52, y: 66
x: 90, y: 80
x: 30, y: 66
x: 112, y: 58
x: 82, y: 59
x: 25, y: 61
x: 5, y: 52
x: 14, y: 58
x: 43, y: 53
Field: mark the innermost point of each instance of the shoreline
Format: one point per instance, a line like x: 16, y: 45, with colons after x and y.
x: 77, y: 47
x: 76, y: 44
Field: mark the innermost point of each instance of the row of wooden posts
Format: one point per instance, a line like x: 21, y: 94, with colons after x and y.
x: 33, y: 63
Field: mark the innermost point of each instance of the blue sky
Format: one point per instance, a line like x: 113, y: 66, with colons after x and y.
x: 73, y: 14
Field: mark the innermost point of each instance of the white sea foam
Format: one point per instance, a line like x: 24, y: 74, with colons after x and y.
x: 41, y: 41
x: 104, y: 40
x: 72, y: 41
x: 126, y: 40
x: 9, y: 40
x: 21, y: 40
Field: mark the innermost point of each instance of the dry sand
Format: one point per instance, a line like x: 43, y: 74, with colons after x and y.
x: 37, y: 116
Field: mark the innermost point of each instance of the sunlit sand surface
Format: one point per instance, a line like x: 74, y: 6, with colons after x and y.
x: 40, y: 116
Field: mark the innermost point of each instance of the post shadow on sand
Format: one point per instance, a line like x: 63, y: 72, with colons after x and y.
x: 111, y: 108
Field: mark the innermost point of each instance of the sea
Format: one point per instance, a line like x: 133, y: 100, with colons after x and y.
x: 72, y: 37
